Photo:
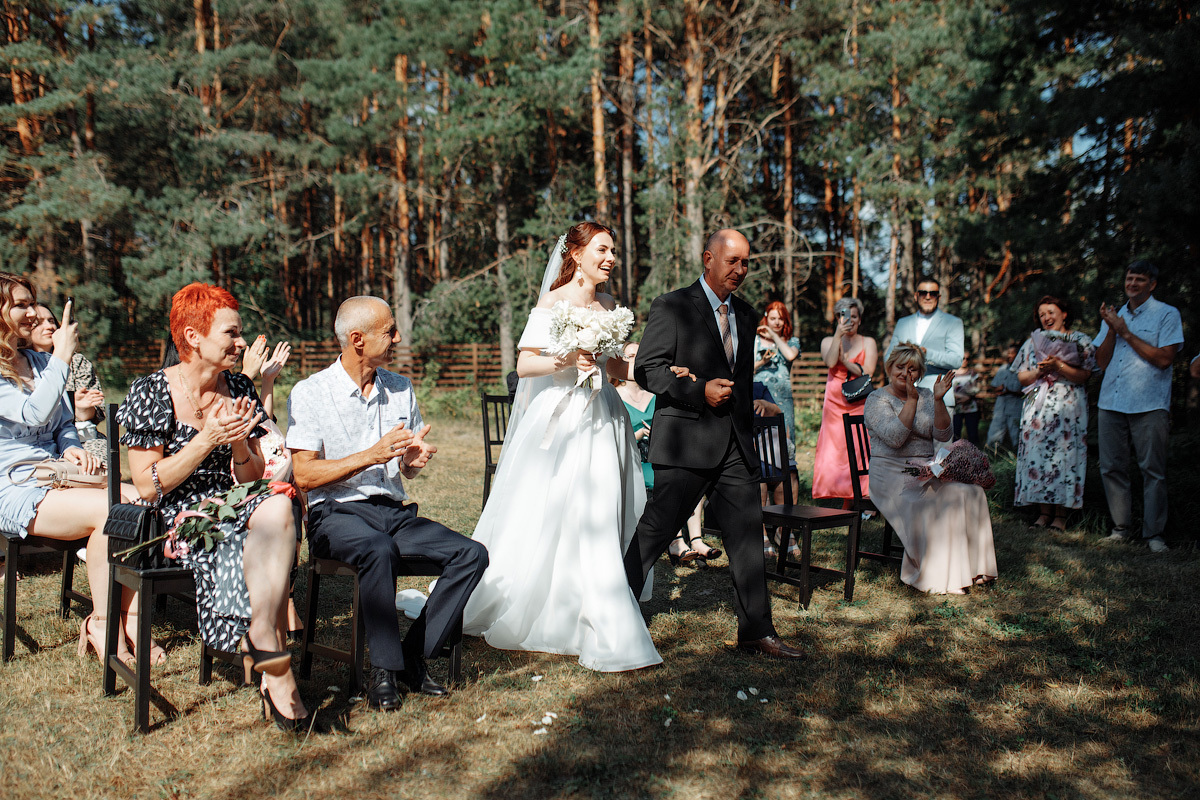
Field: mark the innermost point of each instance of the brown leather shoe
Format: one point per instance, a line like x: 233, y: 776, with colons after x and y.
x: 772, y: 646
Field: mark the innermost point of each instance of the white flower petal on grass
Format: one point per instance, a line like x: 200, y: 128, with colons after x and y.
x: 763, y: 700
x: 540, y: 732
x: 752, y: 690
x: 667, y: 722
x: 547, y: 720
x: 552, y: 715
x: 741, y: 695
x: 666, y: 697
x: 481, y: 719
x: 536, y: 678
x: 334, y: 688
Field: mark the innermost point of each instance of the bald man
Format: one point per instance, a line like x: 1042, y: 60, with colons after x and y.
x: 702, y: 441
x: 355, y: 431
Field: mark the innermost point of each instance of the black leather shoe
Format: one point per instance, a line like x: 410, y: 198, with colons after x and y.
x: 772, y: 646
x: 416, y: 677
x: 382, y: 690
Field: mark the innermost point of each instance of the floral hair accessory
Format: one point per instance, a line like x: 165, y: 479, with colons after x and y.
x: 562, y: 245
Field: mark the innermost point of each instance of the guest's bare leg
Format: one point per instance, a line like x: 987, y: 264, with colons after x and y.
x: 267, y: 559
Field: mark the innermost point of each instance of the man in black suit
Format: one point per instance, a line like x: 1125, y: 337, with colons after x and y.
x: 702, y: 442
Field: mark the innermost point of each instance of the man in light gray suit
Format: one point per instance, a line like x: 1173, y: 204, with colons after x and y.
x: 941, y: 335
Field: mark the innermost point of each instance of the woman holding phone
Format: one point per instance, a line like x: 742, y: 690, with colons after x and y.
x: 849, y: 355
x: 774, y: 351
x: 36, y: 424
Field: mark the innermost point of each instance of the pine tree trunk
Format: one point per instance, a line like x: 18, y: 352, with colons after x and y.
x: 693, y: 161
x: 599, y: 178
x: 628, y: 270
x: 401, y: 287
x: 508, y: 355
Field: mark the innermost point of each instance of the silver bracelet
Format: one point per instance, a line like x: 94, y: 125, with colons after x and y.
x: 158, y: 490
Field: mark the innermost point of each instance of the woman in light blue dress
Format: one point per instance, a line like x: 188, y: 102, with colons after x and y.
x: 37, y: 424
x: 774, y: 351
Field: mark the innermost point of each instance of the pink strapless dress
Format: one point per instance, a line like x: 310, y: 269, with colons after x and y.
x: 831, y: 465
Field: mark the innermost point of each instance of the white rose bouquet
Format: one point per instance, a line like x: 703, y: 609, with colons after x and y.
x: 597, y: 332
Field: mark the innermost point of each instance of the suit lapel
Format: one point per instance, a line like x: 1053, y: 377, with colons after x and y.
x: 746, y: 333
x: 935, y: 324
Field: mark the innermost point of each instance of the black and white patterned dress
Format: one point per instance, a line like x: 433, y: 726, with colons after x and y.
x: 222, y: 600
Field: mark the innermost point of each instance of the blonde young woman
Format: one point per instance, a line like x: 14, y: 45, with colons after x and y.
x: 35, y: 424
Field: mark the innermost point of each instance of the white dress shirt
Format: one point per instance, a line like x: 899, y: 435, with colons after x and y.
x: 716, y: 303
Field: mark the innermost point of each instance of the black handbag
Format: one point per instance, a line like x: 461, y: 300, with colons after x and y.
x: 135, y: 536
x: 857, y: 389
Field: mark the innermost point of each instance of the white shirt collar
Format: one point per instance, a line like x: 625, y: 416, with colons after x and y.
x: 713, y: 300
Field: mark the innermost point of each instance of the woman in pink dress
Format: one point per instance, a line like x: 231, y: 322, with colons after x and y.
x: 848, y: 354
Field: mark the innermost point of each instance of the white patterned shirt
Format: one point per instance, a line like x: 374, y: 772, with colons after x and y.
x: 328, y: 414
x: 1132, y: 385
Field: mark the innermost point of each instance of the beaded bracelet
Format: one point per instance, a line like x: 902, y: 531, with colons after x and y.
x: 158, y: 490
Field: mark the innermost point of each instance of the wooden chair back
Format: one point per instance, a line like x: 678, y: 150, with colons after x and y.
x: 496, y: 409
x: 770, y: 444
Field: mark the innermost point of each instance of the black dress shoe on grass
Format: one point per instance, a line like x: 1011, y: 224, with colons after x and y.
x: 772, y: 646
x: 382, y: 690
x: 416, y: 677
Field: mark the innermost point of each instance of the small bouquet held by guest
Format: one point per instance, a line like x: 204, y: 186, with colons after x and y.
x: 960, y: 461
x: 1047, y: 345
x: 597, y: 332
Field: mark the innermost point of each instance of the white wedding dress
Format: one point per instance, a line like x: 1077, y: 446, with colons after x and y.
x: 566, y: 498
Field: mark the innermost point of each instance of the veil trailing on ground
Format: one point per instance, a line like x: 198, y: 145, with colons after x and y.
x: 528, y: 388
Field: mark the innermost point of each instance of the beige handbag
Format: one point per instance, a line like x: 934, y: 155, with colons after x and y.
x: 58, y: 473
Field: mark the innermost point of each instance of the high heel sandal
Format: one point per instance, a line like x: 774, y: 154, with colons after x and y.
x: 86, y: 642
x: 272, y: 662
x: 1059, y: 523
x: 713, y: 552
x: 686, y: 557
x: 158, y: 656
x: 285, y: 724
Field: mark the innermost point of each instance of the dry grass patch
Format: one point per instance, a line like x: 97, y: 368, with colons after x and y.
x: 1073, y: 677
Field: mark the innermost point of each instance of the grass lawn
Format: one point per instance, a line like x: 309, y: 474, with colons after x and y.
x: 1075, y: 676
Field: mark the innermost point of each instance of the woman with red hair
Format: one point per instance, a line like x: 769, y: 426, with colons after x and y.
x: 192, y: 429
x: 774, y: 351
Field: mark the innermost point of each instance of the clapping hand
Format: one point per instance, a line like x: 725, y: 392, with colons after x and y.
x: 1113, y: 319
x: 88, y: 398
x: 274, y: 364
x: 231, y: 421
x: 1048, y: 365
x: 393, y: 443
x: 940, y: 386
x: 254, y: 357
x: 418, y: 452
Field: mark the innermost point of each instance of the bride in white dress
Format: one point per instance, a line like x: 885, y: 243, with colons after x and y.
x: 568, y: 492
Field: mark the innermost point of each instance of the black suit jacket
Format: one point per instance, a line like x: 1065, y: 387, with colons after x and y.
x: 682, y: 331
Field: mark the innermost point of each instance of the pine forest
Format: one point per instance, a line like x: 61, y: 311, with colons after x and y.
x: 299, y: 152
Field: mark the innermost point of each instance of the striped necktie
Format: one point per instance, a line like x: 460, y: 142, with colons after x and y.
x: 726, y: 335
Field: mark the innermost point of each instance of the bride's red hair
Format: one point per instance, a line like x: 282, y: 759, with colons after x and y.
x: 579, y: 237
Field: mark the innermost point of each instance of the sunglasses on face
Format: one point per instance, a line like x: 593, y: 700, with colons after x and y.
x: 927, y: 293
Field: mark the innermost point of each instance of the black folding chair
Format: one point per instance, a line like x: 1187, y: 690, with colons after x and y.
x: 15, y: 550
x: 496, y: 408
x: 354, y: 656
x: 771, y: 446
x: 858, y: 448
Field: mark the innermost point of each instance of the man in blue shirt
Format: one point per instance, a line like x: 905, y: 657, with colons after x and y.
x: 1135, y: 348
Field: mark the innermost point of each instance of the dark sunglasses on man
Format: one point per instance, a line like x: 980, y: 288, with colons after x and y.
x: 927, y: 293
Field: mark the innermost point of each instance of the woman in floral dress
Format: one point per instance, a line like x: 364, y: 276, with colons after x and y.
x: 1053, y: 365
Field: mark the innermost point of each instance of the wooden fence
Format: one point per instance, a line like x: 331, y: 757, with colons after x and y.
x: 454, y: 366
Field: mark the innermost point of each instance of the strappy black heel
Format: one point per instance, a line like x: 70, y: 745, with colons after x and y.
x: 272, y: 662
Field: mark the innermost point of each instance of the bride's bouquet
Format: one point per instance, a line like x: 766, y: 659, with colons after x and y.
x: 961, y: 462
x: 599, y: 332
